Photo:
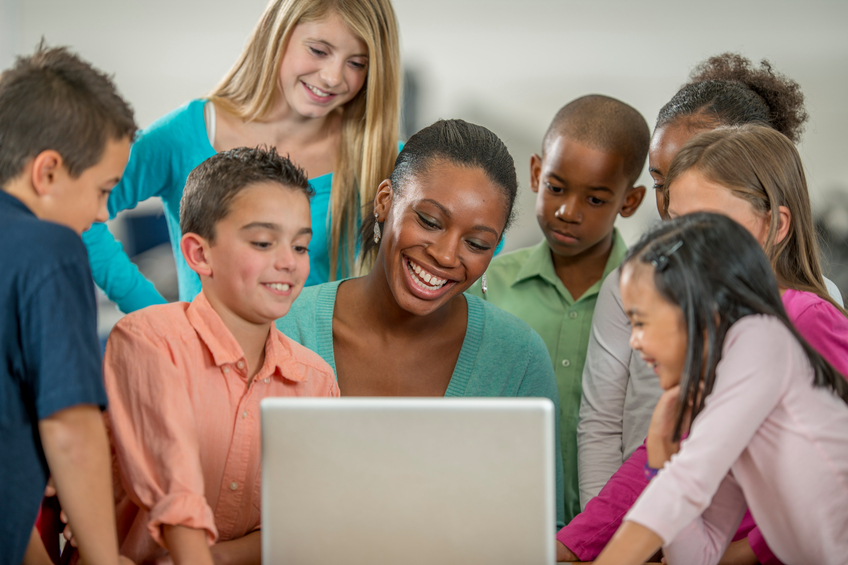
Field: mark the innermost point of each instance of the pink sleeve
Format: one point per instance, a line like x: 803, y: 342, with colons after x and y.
x: 590, y: 531
x: 826, y: 330
x: 153, y: 428
x: 756, y: 346
x: 705, y: 539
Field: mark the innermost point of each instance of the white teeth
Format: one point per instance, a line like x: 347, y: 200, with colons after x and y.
x: 424, y: 279
x: 282, y: 287
x: 317, y: 92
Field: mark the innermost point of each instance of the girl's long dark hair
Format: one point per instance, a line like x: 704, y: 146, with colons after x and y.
x: 716, y: 272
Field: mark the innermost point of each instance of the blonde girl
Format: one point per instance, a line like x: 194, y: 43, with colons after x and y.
x: 320, y: 81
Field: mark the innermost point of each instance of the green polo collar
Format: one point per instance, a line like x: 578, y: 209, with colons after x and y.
x: 540, y: 264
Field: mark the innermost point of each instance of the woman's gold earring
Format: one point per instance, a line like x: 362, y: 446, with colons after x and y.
x: 377, y: 234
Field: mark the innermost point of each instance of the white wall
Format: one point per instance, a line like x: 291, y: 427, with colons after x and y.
x: 506, y: 64
x: 10, y: 18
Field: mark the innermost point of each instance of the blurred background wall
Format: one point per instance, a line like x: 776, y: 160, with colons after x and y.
x: 506, y: 64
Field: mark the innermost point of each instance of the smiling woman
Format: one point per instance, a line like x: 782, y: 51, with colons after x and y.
x: 407, y: 328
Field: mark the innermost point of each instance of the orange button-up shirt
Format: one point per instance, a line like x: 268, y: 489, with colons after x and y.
x: 185, y: 422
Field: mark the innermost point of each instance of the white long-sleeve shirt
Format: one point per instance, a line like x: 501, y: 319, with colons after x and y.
x: 766, y: 436
x: 619, y: 395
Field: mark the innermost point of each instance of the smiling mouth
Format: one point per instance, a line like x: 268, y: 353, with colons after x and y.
x: 317, y: 91
x: 280, y: 287
x: 422, y: 278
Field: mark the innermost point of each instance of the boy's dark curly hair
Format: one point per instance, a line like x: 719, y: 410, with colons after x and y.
x: 728, y: 90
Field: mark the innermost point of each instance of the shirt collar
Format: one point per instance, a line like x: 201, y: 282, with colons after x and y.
x: 540, y: 263
x: 9, y: 200
x: 225, y: 350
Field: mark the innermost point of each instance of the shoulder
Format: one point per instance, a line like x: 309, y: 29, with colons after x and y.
x: 510, y: 357
x: 759, y: 334
x: 313, y: 303
x: 610, y: 287
x: 500, y: 330
x: 511, y: 261
x: 157, y: 323
x: 502, y: 271
x: 804, y: 306
x: 44, y: 248
x: 306, y: 304
x: 305, y: 356
x: 819, y: 322
x: 189, y: 114
x: 182, y: 127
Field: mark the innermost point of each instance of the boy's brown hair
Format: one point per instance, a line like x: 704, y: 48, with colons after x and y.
x: 55, y: 100
x: 213, y: 184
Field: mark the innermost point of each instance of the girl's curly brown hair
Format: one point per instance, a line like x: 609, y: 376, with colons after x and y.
x: 728, y: 90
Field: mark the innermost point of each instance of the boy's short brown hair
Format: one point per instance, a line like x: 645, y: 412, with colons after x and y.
x: 211, y: 187
x: 55, y: 100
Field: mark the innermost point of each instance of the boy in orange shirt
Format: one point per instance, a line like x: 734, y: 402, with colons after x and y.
x: 185, y: 380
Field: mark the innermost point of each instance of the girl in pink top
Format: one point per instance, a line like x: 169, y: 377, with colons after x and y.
x: 768, y: 412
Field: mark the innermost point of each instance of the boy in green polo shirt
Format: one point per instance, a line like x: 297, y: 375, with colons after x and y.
x: 592, y: 155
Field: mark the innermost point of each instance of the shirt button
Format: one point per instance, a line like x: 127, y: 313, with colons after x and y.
x: 267, y: 380
x: 240, y: 364
x: 226, y: 370
x: 244, y: 414
x: 566, y: 362
x: 233, y: 485
x: 572, y: 315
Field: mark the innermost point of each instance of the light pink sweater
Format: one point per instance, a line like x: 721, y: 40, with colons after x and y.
x: 766, y: 435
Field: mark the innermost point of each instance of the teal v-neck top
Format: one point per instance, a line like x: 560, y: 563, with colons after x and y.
x: 161, y: 159
x: 501, y: 355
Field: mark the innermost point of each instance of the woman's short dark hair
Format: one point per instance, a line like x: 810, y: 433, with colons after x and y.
x: 214, y: 183
x: 727, y: 90
x: 457, y: 142
x: 716, y: 272
x: 55, y: 100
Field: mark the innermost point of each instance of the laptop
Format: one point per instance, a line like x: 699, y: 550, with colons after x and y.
x: 405, y: 481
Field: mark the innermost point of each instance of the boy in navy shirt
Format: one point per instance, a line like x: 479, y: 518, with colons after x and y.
x: 64, y: 141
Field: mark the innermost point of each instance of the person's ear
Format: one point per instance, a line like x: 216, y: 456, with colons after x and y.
x: 46, y: 168
x: 383, y: 200
x: 632, y: 200
x: 196, y: 253
x: 535, y: 171
x: 784, y: 223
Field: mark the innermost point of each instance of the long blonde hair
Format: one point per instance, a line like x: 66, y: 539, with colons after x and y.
x: 763, y: 167
x: 369, y: 131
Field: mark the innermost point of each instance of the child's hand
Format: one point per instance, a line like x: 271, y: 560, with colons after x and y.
x: 660, y: 446
x: 564, y: 554
x: 50, y: 489
x: 67, y: 533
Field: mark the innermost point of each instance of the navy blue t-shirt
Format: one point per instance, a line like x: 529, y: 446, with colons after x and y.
x: 49, y: 355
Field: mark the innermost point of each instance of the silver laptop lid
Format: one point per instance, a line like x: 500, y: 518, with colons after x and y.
x: 403, y: 481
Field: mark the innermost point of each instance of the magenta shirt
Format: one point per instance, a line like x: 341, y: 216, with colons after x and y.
x: 822, y: 325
